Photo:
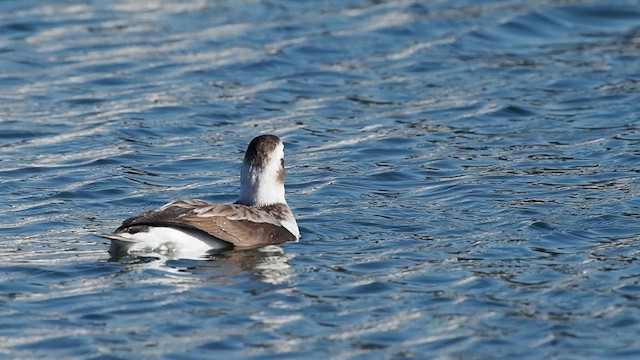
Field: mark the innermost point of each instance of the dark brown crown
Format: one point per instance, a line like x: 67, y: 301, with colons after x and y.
x: 260, y: 148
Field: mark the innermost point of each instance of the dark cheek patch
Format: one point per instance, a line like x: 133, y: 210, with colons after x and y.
x: 281, y: 172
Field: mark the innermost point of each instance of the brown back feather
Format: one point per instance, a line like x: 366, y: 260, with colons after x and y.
x: 217, y: 221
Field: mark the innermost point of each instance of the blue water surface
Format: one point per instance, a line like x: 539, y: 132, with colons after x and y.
x: 465, y: 174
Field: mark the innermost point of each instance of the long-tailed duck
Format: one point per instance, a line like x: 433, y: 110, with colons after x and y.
x: 260, y: 217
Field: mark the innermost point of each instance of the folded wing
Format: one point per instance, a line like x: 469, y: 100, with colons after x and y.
x: 237, y: 224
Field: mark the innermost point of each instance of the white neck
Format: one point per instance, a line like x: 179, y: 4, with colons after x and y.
x: 260, y: 186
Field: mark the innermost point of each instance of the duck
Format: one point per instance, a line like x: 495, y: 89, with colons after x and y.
x: 260, y: 217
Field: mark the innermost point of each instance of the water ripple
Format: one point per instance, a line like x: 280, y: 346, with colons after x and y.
x: 465, y: 177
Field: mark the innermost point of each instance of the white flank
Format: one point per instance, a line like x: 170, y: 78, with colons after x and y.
x: 167, y: 240
x: 290, y: 224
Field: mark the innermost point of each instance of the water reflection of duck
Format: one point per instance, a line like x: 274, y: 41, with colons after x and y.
x: 270, y: 264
